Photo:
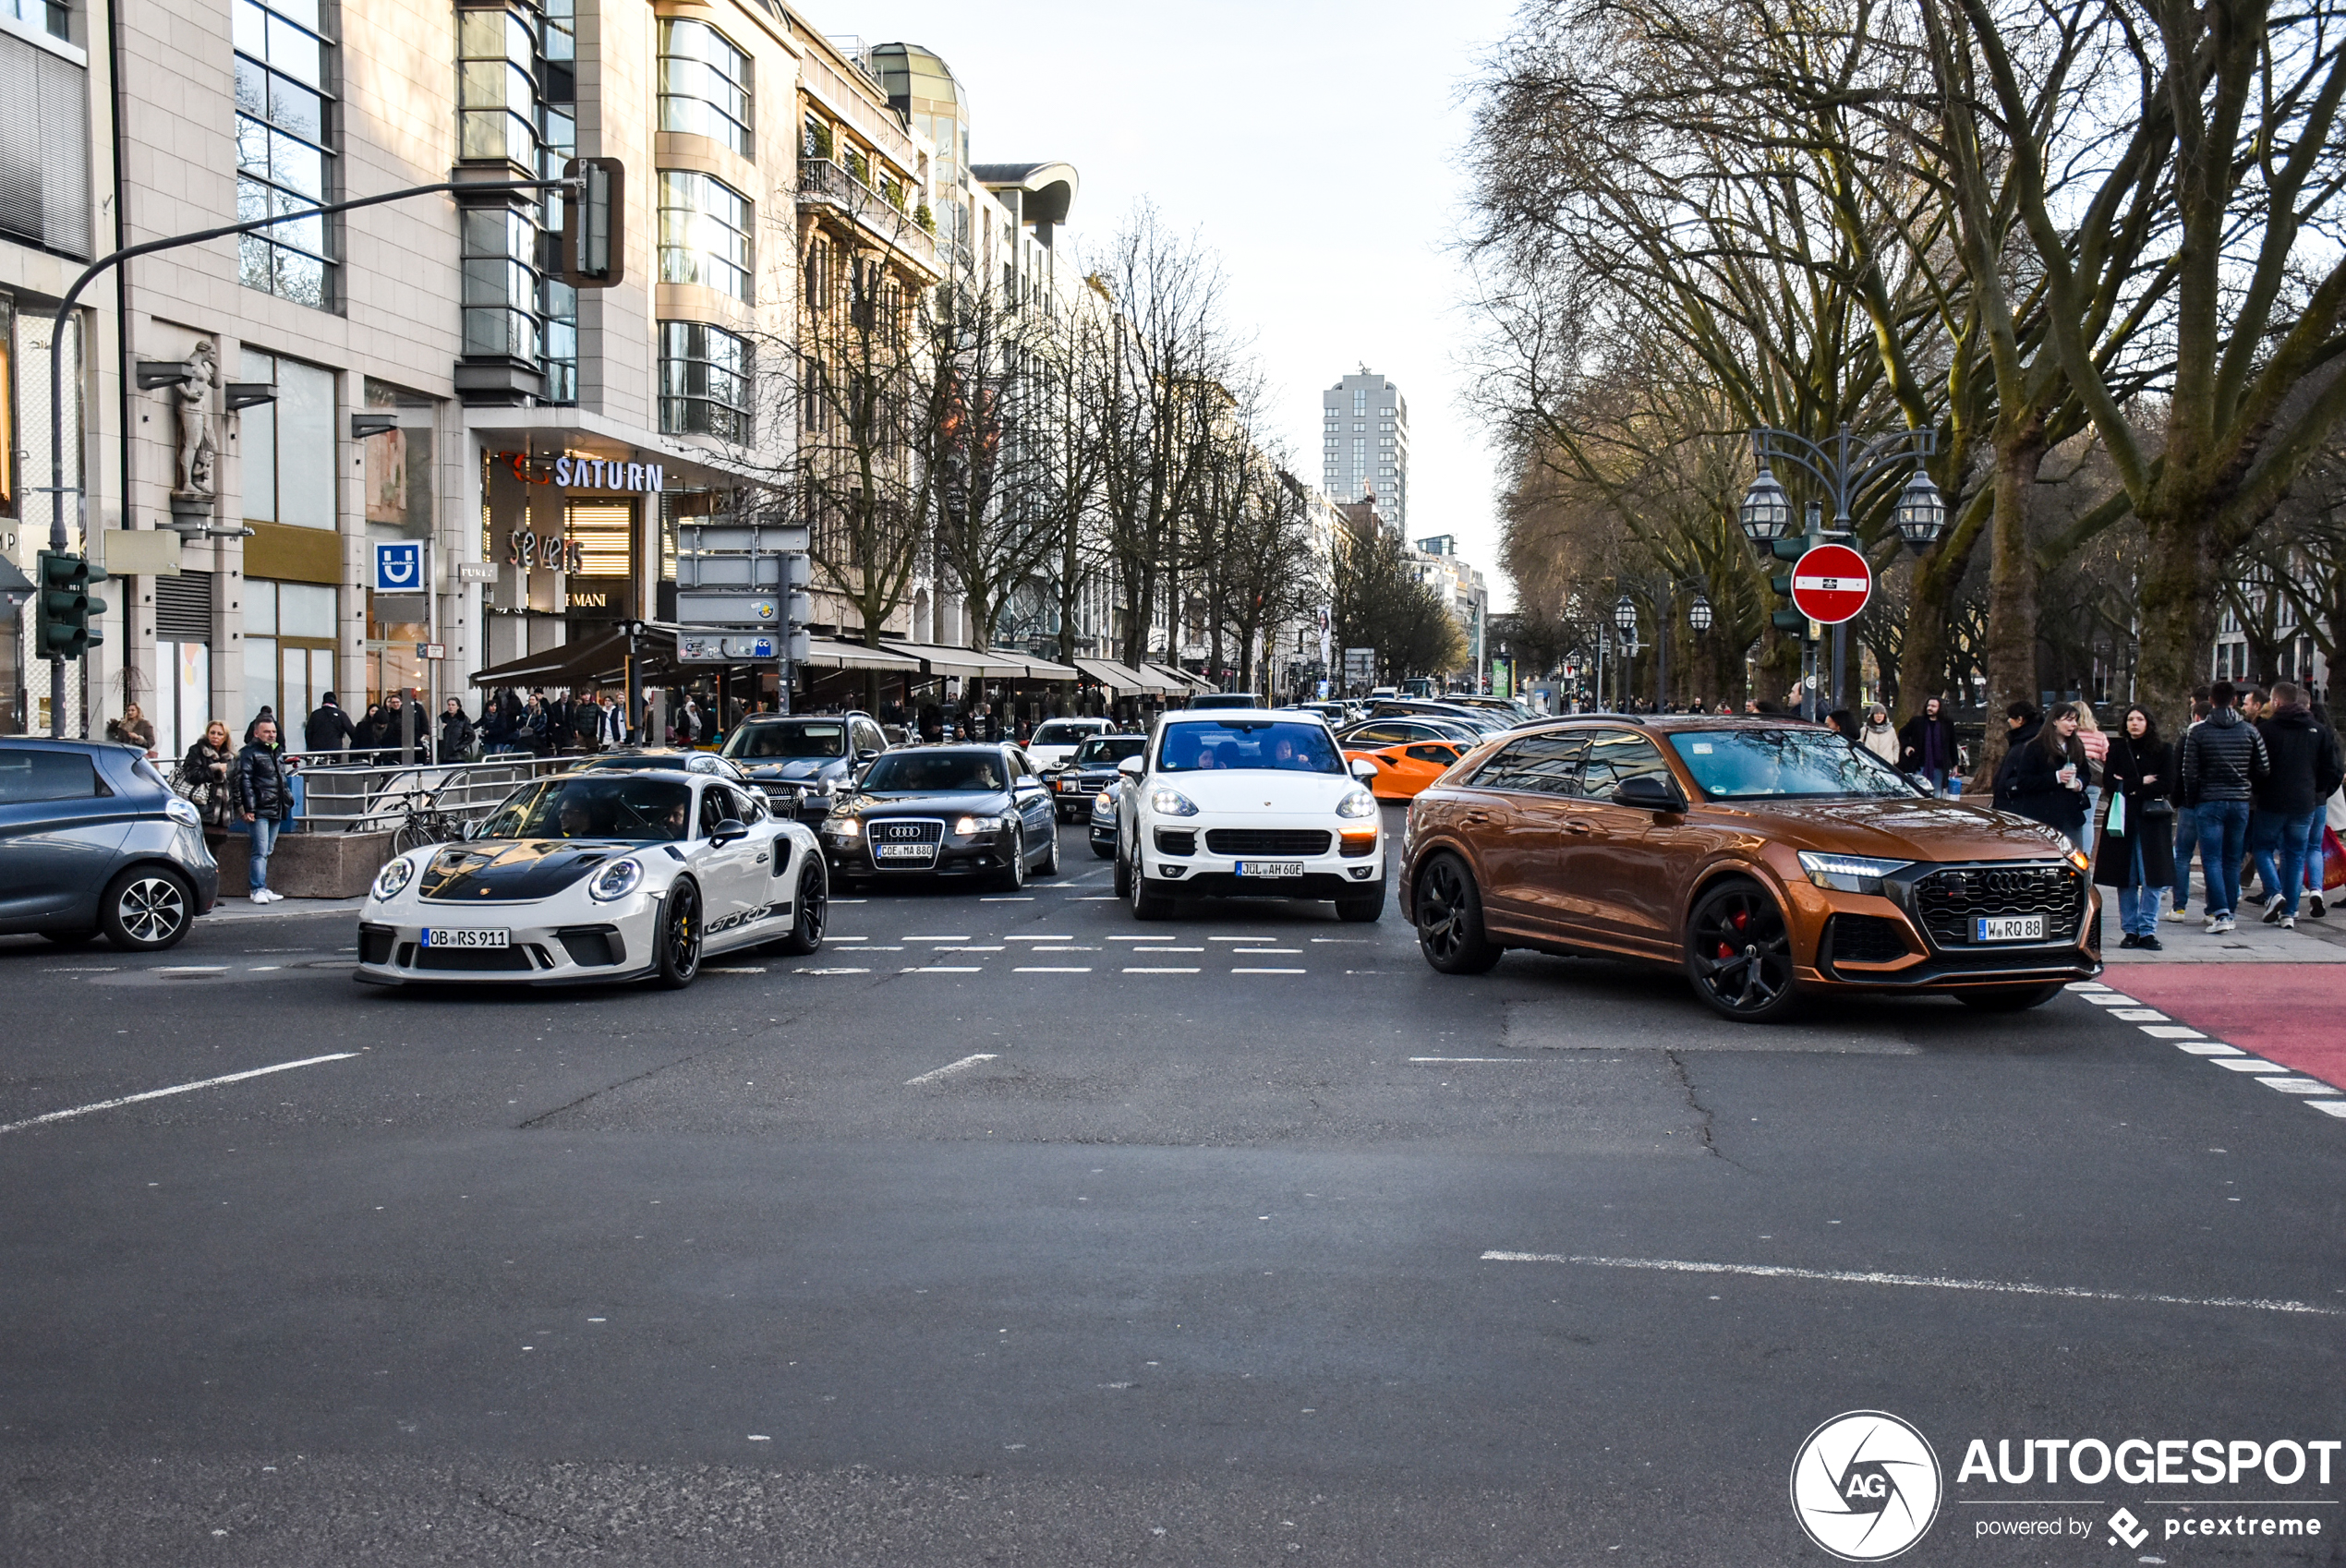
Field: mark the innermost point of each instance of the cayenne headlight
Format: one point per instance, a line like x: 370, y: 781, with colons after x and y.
x: 394, y: 876
x: 969, y: 825
x: 1165, y: 801
x: 1360, y: 802
x: 616, y: 880
x: 1848, y: 873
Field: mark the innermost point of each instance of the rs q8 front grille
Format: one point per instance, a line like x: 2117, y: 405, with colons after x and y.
x: 1950, y: 901
x: 1266, y: 841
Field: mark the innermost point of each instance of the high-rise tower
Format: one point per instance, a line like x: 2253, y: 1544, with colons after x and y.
x: 1364, y: 450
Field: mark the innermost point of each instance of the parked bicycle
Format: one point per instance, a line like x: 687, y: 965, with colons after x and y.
x: 423, y: 822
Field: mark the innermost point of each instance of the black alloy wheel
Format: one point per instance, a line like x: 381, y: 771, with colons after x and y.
x: 147, y: 908
x: 1739, y: 953
x: 2008, y: 998
x: 814, y: 910
x: 1449, y: 910
x: 677, y: 941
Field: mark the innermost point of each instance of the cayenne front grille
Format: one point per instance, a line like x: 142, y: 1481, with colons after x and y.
x: 1266, y: 841
x: 1866, y: 939
x: 1950, y: 901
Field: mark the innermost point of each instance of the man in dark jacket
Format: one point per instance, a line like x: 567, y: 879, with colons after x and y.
x: 2304, y: 772
x: 261, y: 788
x: 2020, y: 723
x: 328, y: 729
x: 1926, y: 745
x: 2221, y: 763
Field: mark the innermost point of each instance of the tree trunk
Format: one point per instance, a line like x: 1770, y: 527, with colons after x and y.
x: 2012, y: 595
x: 2178, y: 619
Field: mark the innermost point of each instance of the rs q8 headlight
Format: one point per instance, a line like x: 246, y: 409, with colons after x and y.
x: 616, y: 880
x: 1360, y: 802
x: 394, y: 876
x: 1848, y: 873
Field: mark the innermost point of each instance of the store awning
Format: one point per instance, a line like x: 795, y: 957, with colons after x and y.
x: 1184, y: 681
x: 968, y: 663
x: 1046, y: 670
x: 823, y: 653
x: 1119, y: 680
x: 592, y: 661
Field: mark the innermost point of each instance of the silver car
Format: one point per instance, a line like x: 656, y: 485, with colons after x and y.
x: 93, y: 840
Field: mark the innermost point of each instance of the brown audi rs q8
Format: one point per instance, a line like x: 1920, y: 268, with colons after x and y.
x: 1766, y: 856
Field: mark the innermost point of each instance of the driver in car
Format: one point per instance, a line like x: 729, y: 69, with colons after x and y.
x: 1283, y: 754
x: 573, y: 819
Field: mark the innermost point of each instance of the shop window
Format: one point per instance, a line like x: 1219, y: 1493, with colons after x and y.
x: 289, y: 650
x: 288, y: 445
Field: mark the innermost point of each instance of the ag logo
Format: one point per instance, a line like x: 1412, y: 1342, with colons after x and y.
x: 1865, y: 1486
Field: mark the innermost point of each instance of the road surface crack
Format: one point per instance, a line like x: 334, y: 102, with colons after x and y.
x: 636, y: 1077
x: 1702, y: 1126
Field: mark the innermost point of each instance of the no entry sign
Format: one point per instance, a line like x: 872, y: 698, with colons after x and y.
x: 1831, y: 584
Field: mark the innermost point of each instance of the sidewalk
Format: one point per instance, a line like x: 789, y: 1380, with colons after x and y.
x: 236, y: 907
x: 2183, y: 942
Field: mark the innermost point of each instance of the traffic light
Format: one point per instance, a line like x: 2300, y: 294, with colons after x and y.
x: 1787, y: 620
x: 594, y: 237
x: 62, y: 608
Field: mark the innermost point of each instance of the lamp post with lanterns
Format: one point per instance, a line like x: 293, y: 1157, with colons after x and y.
x: 1625, y: 621
x: 1845, y: 467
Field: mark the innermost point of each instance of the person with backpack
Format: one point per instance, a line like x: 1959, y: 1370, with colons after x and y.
x: 2222, y: 761
x: 2304, y: 772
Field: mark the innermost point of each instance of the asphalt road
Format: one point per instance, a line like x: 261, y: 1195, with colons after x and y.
x: 990, y: 1235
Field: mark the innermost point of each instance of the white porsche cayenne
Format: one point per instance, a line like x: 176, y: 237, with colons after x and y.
x: 1257, y: 803
x: 598, y: 875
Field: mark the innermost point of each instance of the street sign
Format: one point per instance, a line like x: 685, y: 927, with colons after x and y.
x: 431, y: 650
x: 1831, y: 584
x: 693, y: 649
x: 1359, y: 665
x: 399, y: 566
x: 476, y: 572
x: 727, y: 609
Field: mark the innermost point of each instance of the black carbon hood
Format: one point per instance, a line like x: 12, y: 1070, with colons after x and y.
x: 513, y: 871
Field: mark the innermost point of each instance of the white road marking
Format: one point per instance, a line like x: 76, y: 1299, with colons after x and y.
x: 2085, y: 985
x: 85, y: 969
x: 2298, y: 1085
x: 1052, y: 968
x: 2112, y: 999
x: 1165, y: 968
x: 174, y: 1089
x: 2138, y: 1015
x: 848, y: 938
x: 262, y: 969
x: 1137, y: 951
x: 716, y: 969
x: 2207, y: 1048
x: 942, y: 968
x: 1933, y: 1281
x: 1097, y: 899
x: 1078, y: 949
x: 1471, y: 1058
x: 1289, y: 952
x: 996, y: 948
x: 932, y: 1077
x: 1009, y: 898
x: 851, y: 900
x: 2249, y: 1064
x: 1355, y: 941
x: 963, y: 937
x: 1247, y: 970
x: 1060, y: 936
x: 1140, y: 939
x: 2333, y: 1107
x: 830, y: 972
x: 190, y: 969
x: 2169, y: 1031
x: 1238, y: 939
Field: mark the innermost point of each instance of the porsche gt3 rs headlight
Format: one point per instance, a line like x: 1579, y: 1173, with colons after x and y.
x: 1165, y: 801
x: 616, y: 880
x: 394, y: 876
x: 1360, y: 802
x: 1848, y: 873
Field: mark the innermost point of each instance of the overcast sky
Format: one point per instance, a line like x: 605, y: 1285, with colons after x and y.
x: 1314, y: 146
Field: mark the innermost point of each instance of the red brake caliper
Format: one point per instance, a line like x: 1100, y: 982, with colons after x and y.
x: 1740, y: 919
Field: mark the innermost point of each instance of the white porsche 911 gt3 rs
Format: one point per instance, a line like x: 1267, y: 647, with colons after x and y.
x: 598, y: 875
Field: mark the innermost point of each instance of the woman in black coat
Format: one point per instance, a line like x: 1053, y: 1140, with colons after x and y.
x: 2136, y: 852
x: 2046, y: 782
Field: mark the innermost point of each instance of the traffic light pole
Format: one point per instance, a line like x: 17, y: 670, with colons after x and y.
x: 60, y: 537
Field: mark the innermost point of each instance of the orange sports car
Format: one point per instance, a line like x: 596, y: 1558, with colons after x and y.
x: 1407, y: 767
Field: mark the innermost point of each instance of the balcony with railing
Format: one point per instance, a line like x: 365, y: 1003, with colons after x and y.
x: 823, y: 183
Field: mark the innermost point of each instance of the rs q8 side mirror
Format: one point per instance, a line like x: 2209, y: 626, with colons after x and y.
x: 1648, y: 792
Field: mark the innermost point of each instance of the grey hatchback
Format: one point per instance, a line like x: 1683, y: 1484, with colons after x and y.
x: 93, y: 839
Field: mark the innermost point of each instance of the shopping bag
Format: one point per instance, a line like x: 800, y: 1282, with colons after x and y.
x: 2117, y: 821
x: 2333, y: 861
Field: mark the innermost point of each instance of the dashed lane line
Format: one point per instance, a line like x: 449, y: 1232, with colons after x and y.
x: 830, y: 972
x: 932, y: 1075
x: 174, y: 1089
x: 2321, y: 1096
x: 1052, y: 968
x: 1249, y: 969
x: 1928, y: 1282
x: 941, y: 968
x: 1040, y: 937
x: 1157, y: 969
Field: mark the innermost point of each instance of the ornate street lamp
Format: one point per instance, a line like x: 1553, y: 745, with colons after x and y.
x: 1921, y: 512
x: 1699, y: 614
x: 1766, y: 512
x: 1625, y: 616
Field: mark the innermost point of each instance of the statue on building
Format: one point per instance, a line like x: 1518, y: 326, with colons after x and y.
x: 191, y: 396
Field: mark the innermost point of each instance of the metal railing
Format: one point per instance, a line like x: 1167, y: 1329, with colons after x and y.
x: 364, y: 799
x: 820, y: 179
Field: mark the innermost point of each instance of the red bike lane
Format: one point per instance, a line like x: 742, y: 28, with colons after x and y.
x: 2294, y: 1014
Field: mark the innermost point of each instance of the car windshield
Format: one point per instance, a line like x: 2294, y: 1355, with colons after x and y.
x: 1063, y: 732
x: 760, y: 740
x: 1752, y: 765
x: 936, y: 773
x: 591, y: 807
x: 1236, y: 743
x: 1109, y: 750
